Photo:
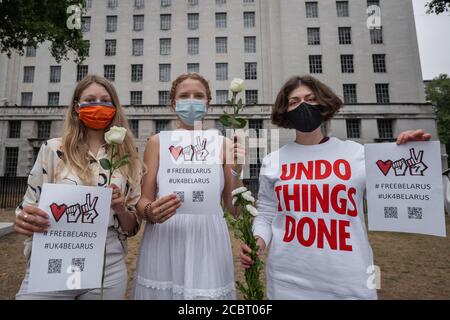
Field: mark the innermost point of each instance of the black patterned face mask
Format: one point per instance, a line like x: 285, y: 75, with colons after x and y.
x: 306, y: 117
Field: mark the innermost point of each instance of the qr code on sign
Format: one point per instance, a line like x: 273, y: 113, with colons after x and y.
x: 180, y: 195
x: 54, y: 265
x: 390, y: 213
x: 78, y: 263
x: 198, y: 196
x: 414, y: 213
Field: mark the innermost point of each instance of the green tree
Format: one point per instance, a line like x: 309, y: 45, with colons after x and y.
x: 438, y: 6
x: 438, y: 93
x: 31, y: 22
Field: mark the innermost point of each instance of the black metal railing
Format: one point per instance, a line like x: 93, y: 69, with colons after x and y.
x: 12, y: 190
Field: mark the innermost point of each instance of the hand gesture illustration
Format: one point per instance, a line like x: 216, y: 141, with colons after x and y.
x: 200, y: 150
x: 400, y: 167
x: 73, y: 213
x: 88, y: 209
x: 188, y: 153
x: 415, y: 163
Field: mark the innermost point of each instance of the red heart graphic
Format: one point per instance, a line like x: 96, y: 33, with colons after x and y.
x: 58, y: 210
x: 176, y: 152
x: 384, y: 166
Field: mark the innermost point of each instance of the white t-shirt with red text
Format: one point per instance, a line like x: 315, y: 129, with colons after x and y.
x: 310, y: 206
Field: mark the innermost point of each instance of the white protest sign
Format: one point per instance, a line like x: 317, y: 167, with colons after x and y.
x: 404, y: 188
x: 70, y: 254
x: 189, y: 164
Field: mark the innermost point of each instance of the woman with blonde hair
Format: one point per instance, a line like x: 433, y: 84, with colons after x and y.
x: 187, y: 255
x: 75, y: 159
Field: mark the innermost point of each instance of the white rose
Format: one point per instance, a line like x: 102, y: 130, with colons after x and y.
x: 115, y: 135
x: 238, y: 191
x: 252, y: 210
x: 248, y: 196
x: 237, y: 85
x: 233, y: 202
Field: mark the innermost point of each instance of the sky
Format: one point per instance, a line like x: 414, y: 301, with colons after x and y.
x: 433, y: 35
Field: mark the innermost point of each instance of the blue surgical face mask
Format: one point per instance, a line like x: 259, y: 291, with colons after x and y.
x: 190, y: 110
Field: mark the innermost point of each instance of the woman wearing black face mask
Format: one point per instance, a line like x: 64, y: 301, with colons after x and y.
x: 310, y: 203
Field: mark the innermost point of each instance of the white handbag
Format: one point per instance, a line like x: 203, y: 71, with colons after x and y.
x: 446, y: 180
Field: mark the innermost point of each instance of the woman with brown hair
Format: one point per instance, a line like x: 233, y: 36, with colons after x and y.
x: 310, y: 203
x: 186, y: 256
x: 74, y: 159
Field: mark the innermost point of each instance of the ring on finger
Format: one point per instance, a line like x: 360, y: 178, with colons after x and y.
x: 25, y: 217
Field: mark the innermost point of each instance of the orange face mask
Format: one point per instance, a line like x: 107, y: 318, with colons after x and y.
x: 96, y: 115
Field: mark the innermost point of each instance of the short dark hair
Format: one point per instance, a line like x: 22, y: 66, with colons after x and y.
x: 324, y: 95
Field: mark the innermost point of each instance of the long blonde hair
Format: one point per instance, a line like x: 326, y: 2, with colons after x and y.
x: 74, y: 142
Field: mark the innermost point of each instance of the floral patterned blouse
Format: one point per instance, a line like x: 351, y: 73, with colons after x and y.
x: 50, y: 168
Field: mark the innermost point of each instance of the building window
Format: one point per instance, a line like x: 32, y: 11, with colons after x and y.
x: 112, y: 4
x: 14, y: 129
x: 12, y: 155
x: 85, y: 24
x: 30, y: 51
x: 165, y: 46
x: 221, y: 20
x: 135, y: 98
x: 136, y: 72
x: 373, y: 3
x: 138, y: 22
x: 193, y: 46
x: 138, y: 47
x: 193, y: 68
x: 250, y: 44
x: 44, y: 128
x: 382, y: 92
x: 221, y: 2
x: 313, y: 36
x: 345, y: 35
x: 166, y: 3
x: 111, y: 23
x: 350, y: 96
x: 53, y: 98
x: 312, y: 10
x: 88, y: 4
x: 385, y: 130
x: 221, y: 71
x: 251, y: 96
x: 379, y: 63
x: 376, y: 36
x: 134, y: 127
x: 315, y: 64
x: 55, y: 74
x: 249, y: 19
x: 256, y: 125
x: 221, y: 96
x: 28, y: 74
x: 251, y: 70
x: 353, y: 128
x: 342, y: 8
x: 347, y: 63
x: 221, y: 45
x: 26, y: 98
x: 193, y: 21
x: 110, y: 48
x: 163, y: 98
x: 164, y: 72
x: 161, y: 125
x: 139, y: 4
x: 166, y: 20
x: 192, y: 3
x: 87, y: 44
x: 249, y: 1
x: 82, y: 71
x: 109, y: 72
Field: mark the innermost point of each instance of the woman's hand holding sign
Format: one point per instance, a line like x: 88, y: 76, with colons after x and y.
x: 162, y: 209
x: 30, y: 220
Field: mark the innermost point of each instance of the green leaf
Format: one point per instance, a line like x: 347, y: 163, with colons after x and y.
x: 240, y: 104
x: 241, y: 123
x: 121, y: 162
x: 226, y: 120
x: 105, y: 163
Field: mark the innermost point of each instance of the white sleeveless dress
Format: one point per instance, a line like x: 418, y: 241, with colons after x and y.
x: 187, y: 257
